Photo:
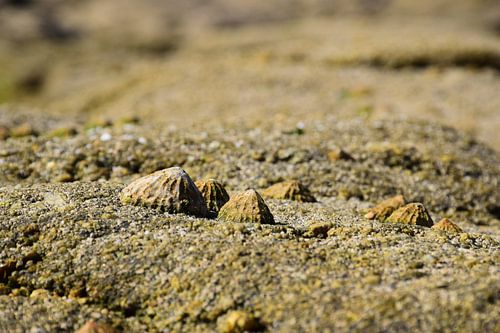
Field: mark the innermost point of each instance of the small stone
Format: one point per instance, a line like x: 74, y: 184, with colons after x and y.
x: 289, y: 190
x: 170, y: 190
x: 412, y: 213
x: 385, y: 208
x: 448, y: 226
x: 247, y: 207
x: 24, y: 129
x: 214, y: 193
x: 93, y: 327
x: 241, y: 321
x: 338, y: 154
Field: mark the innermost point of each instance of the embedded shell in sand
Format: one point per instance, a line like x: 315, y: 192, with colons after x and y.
x: 247, y: 207
x: 385, y: 208
x: 412, y: 213
x: 448, y: 226
x: 170, y: 190
x: 289, y: 190
x: 93, y: 327
x: 214, y: 193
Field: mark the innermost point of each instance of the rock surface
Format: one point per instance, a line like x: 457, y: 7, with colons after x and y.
x: 251, y: 93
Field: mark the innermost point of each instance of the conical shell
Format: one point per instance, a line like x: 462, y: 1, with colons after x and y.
x: 170, y: 190
x: 338, y: 154
x: 448, y: 226
x: 385, y: 208
x: 412, y: 213
x: 93, y: 327
x: 247, y: 207
x: 214, y: 193
x: 289, y: 190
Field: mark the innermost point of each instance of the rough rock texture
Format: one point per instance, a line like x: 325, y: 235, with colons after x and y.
x: 170, y: 190
x: 247, y: 206
x: 412, y: 213
x: 289, y: 190
x: 251, y: 93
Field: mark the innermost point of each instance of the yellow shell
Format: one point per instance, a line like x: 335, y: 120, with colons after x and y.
x: 412, y: 213
x: 289, y: 190
x: 93, y: 327
x: 214, y: 193
x: 247, y: 206
x: 448, y: 226
x: 385, y: 208
x: 240, y: 321
x: 170, y: 190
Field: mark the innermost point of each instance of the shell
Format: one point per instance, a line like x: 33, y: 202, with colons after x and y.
x: 289, y: 190
x: 214, y: 193
x: 93, y: 327
x: 385, y: 208
x: 247, y: 206
x: 412, y: 213
x: 448, y: 226
x: 170, y: 190
x: 240, y: 321
x: 338, y: 154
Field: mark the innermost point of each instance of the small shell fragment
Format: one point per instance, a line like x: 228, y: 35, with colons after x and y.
x: 214, y: 193
x: 247, y: 206
x: 289, y: 190
x: 412, y: 213
x: 170, y: 190
x: 448, y: 226
x: 385, y: 208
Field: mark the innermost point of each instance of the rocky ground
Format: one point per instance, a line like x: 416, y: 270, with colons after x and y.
x: 251, y: 96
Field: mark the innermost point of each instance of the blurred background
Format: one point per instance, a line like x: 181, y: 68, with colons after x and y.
x: 192, y: 62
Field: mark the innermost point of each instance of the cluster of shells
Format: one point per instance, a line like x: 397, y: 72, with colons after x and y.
x: 397, y: 210
x: 173, y: 191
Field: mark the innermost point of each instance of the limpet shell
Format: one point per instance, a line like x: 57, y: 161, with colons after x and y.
x: 448, y: 226
x: 241, y: 321
x: 385, y: 208
x: 93, y: 327
x: 412, y: 213
x: 214, y: 193
x: 247, y: 206
x: 289, y: 190
x: 170, y: 190
x: 338, y: 154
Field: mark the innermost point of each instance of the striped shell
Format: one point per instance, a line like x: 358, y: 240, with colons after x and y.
x: 385, y: 208
x: 247, y: 207
x: 289, y: 190
x: 412, y: 213
x: 448, y: 226
x: 170, y: 190
x: 214, y: 193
